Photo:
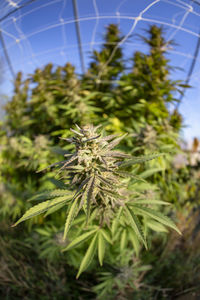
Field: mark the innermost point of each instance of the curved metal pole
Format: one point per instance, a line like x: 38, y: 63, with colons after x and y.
x: 78, y: 36
x: 6, y: 55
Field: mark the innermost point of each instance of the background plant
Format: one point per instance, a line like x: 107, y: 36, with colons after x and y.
x: 43, y: 108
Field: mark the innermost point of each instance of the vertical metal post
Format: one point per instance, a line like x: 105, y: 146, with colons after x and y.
x: 78, y: 36
x: 6, y: 55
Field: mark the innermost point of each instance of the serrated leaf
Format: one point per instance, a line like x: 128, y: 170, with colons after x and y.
x: 114, y: 226
x: 76, y: 132
x: 60, y: 151
x: 90, y: 191
x: 79, y: 219
x: 149, y: 201
x: 40, y: 208
x: 134, y: 241
x: 109, y: 137
x: 52, y: 165
x: 43, y: 232
x: 105, y: 181
x: 88, y: 256
x: 139, y: 160
x: 151, y: 172
x: 115, y: 142
x: 123, y: 240
x: 83, y: 183
x: 59, y: 184
x: 106, y: 236
x: 69, y: 161
x: 70, y: 217
x: 115, y: 154
x: 54, y: 209
x: 80, y: 239
x: 50, y: 194
x: 156, y: 215
x: 135, y: 224
x: 101, y: 247
x: 154, y: 225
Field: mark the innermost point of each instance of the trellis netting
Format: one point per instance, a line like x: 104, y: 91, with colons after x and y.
x: 36, y: 32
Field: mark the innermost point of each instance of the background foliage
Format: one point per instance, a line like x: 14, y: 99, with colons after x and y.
x: 135, y: 97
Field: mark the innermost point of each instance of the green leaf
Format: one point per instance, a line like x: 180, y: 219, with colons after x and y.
x: 101, y: 247
x: 123, y: 240
x: 106, y: 236
x: 114, y: 226
x: 80, y: 239
x: 70, y: 217
x: 54, y: 209
x: 52, y: 165
x: 148, y: 201
x: 59, y: 184
x: 151, y: 172
x: 155, y: 215
x: 90, y: 191
x: 139, y: 160
x: 40, y: 208
x: 134, y: 241
x: 115, y: 142
x: 128, y: 174
x: 88, y: 256
x: 154, y: 225
x: 135, y: 224
x: 50, y: 194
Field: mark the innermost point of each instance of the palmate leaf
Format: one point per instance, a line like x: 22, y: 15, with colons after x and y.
x: 128, y: 174
x: 151, y: 172
x: 80, y: 239
x: 59, y: 184
x: 135, y: 224
x: 88, y: 255
x: 116, y: 154
x: 83, y: 183
x: 106, y: 236
x: 123, y: 240
x: 114, y: 226
x: 50, y: 194
x: 116, y: 142
x: 134, y: 240
x: 139, y: 160
x: 148, y: 201
x: 54, y: 209
x: 53, y: 165
x: 101, y: 247
x: 154, y: 225
x: 42, y: 207
x: 90, y: 191
x: 144, y: 211
x: 70, y: 217
x: 109, y: 137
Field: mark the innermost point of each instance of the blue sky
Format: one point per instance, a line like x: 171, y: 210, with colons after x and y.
x: 44, y: 31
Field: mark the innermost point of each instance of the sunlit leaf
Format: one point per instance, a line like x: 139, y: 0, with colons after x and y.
x: 88, y: 255
x: 80, y: 239
x: 101, y: 247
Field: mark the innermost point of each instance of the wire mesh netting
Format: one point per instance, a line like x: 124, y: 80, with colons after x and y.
x: 36, y: 32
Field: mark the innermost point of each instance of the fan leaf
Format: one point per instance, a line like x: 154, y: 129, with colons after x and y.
x: 80, y: 239
x: 70, y: 217
x: 88, y: 256
x: 40, y: 208
x: 156, y: 216
x: 101, y: 247
x: 135, y: 224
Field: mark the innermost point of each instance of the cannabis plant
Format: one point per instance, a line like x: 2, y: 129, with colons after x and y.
x: 106, y: 64
x: 98, y: 187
